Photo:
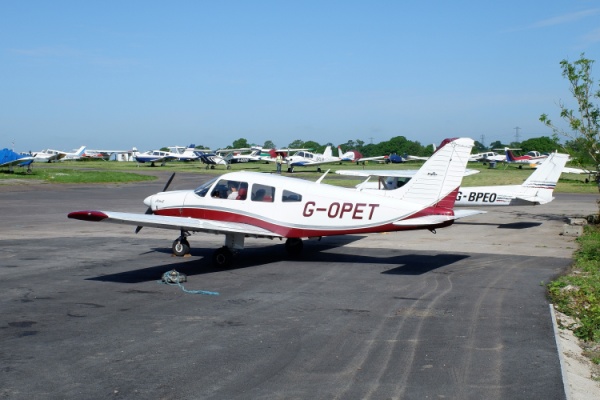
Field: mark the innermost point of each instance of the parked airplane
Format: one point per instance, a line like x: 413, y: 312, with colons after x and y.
x: 487, y: 156
x: 48, y: 155
x: 274, y: 206
x: 184, y: 153
x: 75, y: 155
x: 154, y: 156
x: 212, y: 159
x: 533, y: 157
x: 243, y: 155
x: 537, y: 189
x: 10, y: 159
x: 305, y: 158
x: 355, y: 156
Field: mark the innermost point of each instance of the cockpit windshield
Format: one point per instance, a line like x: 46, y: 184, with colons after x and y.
x: 203, y: 189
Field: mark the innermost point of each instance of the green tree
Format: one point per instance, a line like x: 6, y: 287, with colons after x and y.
x: 241, y: 143
x: 269, y: 145
x: 497, y: 145
x: 479, y: 147
x: 584, y: 123
x: 296, y: 144
x: 542, y: 144
x: 314, y: 146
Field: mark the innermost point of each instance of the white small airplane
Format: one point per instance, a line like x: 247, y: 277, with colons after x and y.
x: 243, y: 155
x: 153, y: 157
x: 50, y: 155
x: 356, y: 157
x: 184, y: 153
x: 275, y: 206
x: 487, y: 157
x: 305, y: 158
x: 75, y: 155
x: 537, y: 189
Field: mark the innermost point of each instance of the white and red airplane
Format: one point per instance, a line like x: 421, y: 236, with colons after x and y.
x: 273, y: 206
x: 355, y: 156
x: 537, y: 188
x: 532, y: 157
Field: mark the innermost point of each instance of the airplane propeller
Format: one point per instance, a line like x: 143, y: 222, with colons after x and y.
x: 149, y: 209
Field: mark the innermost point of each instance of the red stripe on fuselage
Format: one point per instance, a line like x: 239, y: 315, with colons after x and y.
x: 295, y: 232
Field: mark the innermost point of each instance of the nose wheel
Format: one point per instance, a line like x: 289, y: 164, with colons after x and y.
x: 181, y: 246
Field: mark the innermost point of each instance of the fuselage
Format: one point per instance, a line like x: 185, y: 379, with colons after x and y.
x: 292, y: 207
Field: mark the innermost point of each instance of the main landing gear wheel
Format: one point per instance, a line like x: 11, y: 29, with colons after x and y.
x: 222, y: 257
x: 180, y: 247
x: 294, y: 246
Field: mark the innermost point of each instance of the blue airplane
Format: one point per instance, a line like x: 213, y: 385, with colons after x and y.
x: 9, y: 158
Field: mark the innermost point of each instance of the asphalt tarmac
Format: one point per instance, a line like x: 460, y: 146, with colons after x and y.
x: 409, y: 315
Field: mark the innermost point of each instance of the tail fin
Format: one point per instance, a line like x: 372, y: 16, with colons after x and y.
x: 541, y: 183
x: 80, y: 151
x: 439, y: 177
x: 510, y: 157
x: 339, y: 151
x: 327, y: 152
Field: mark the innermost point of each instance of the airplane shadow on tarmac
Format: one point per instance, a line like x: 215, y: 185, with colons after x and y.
x: 512, y: 225
x: 315, y: 252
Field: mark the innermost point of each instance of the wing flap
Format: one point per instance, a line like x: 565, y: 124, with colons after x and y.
x: 175, y: 223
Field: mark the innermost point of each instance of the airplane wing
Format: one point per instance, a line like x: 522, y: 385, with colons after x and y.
x: 370, y: 158
x: 176, y: 223
x: 20, y: 161
x: 397, y: 173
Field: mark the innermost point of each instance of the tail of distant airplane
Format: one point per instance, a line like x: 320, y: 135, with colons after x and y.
x: 80, y: 152
x: 328, y: 152
x: 539, y: 186
x: 438, y: 180
x: 510, y: 157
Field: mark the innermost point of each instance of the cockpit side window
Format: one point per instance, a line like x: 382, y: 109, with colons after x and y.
x: 203, y: 189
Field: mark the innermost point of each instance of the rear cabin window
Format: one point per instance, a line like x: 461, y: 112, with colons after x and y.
x: 263, y: 193
x: 289, y: 196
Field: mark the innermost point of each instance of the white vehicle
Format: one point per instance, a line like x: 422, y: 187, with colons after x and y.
x: 275, y: 206
x: 50, y: 155
x: 304, y: 158
x: 537, y: 189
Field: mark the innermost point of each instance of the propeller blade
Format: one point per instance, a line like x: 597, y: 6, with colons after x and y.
x: 169, y: 182
x: 149, y: 210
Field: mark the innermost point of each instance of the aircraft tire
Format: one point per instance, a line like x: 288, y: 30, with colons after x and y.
x: 294, y: 246
x: 222, y: 257
x: 180, y: 247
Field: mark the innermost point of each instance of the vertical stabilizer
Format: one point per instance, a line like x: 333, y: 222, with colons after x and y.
x: 328, y: 153
x: 541, y: 183
x: 440, y: 176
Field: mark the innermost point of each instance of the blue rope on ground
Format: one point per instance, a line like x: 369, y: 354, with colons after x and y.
x: 173, y: 278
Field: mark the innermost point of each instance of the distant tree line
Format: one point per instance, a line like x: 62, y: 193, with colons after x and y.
x: 401, y: 145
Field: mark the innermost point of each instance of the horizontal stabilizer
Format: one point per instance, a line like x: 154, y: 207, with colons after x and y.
x: 466, y: 213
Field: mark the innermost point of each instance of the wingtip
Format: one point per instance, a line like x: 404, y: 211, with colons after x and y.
x: 88, y: 215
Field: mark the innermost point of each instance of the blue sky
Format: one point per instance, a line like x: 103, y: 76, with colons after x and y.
x: 118, y: 74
